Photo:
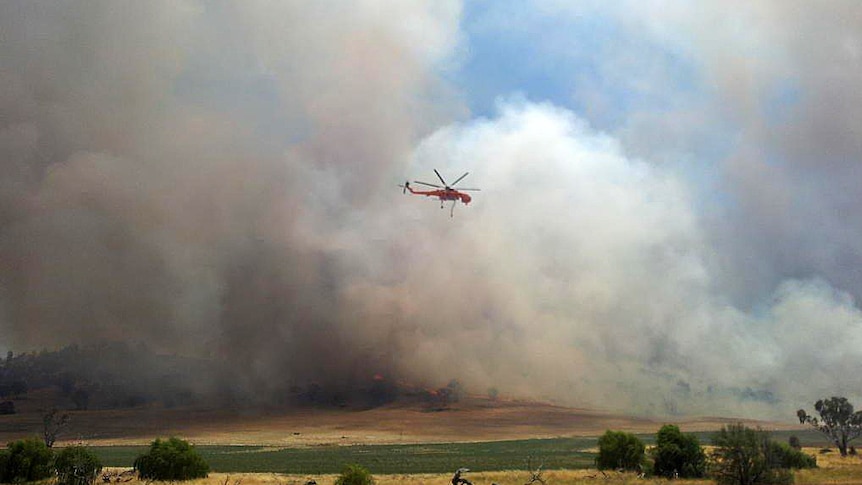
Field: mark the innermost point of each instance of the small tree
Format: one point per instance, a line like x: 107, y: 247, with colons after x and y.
x: 52, y: 423
x: 456, y: 390
x: 837, y: 421
x: 742, y: 457
x: 77, y: 465
x: 794, y: 443
x: 620, y: 450
x: 26, y: 460
x: 171, y: 460
x: 355, y: 475
x: 677, y: 454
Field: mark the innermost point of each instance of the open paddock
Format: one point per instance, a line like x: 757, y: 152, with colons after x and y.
x: 832, y: 469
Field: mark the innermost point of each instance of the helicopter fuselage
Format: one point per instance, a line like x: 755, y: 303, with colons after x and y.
x: 443, y: 194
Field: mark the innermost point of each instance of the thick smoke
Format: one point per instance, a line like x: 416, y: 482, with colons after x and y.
x: 219, y: 180
x: 598, y: 288
x: 172, y: 172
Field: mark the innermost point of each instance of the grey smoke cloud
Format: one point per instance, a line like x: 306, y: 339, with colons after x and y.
x: 146, y: 196
x: 219, y: 179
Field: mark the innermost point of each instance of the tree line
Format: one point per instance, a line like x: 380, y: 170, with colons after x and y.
x: 115, y: 375
x: 101, y: 376
x: 741, y: 456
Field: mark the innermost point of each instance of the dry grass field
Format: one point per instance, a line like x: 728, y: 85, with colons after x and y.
x: 832, y: 469
x: 473, y: 419
x: 511, y: 477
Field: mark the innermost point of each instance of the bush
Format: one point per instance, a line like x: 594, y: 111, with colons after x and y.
x: 619, y: 450
x: 785, y: 456
x: 171, y: 460
x: 742, y: 457
x: 77, y: 465
x: 354, y: 475
x: 677, y: 454
x: 793, y: 441
x: 26, y: 460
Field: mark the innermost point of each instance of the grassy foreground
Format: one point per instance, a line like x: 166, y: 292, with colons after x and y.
x: 566, y: 460
x: 833, y: 469
x: 555, y: 454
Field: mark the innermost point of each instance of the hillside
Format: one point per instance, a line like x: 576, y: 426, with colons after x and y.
x: 120, y: 393
x: 471, y: 419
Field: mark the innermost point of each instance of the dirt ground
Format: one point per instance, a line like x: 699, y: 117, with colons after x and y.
x: 474, y: 419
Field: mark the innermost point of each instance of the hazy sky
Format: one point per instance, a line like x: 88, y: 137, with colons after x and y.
x: 667, y: 223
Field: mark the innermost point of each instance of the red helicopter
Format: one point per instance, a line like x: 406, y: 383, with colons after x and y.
x: 444, y: 193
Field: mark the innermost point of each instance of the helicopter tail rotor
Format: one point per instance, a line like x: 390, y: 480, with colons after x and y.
x: 405, y: 187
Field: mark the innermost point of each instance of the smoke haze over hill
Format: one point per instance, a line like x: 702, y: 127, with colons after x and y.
x: 676, y: 232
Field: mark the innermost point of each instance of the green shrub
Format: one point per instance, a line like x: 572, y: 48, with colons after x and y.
x: 742, y: 456
x: 619, y: 450
x: 785, y: 456
x: 26, y: 460
x: 354, y: 475
x: 171, y: 460
x: 677, y: 454
x: 77, y: 465
x: 793, y: 441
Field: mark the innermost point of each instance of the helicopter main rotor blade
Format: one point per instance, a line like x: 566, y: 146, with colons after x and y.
x: 459, y: 179
x: 426, y: 183
x: 471, y: 190
x: 441, y: 178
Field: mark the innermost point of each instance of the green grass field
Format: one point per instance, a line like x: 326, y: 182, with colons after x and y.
x: 424, y: 458
x: 560, y: 453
